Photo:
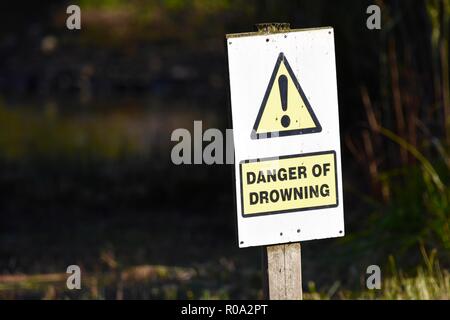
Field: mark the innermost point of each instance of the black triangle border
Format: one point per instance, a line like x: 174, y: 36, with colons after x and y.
x: 317, y: 128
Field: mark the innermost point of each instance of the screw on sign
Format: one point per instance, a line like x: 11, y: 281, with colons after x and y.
x: 287, y: 148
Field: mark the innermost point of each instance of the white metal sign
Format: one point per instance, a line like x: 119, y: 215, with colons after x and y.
x: 286, y: 136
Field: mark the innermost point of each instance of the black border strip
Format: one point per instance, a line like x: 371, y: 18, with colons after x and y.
x: 301, y: 155
x: 318, y: 127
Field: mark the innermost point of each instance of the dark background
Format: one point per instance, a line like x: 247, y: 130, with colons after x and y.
x: 85, y: 123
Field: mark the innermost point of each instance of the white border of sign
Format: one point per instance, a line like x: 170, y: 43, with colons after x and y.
x: 251, y: 59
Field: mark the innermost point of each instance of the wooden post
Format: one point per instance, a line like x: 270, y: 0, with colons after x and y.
x: 284, y: 272
x: 283, y: 269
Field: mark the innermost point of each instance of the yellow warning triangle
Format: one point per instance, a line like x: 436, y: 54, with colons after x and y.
x: 285, y: 110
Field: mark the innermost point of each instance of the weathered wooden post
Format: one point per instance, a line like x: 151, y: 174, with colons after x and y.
x: 284, y: 271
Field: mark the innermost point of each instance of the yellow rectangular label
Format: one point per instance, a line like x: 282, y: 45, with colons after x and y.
x: 288, y: 183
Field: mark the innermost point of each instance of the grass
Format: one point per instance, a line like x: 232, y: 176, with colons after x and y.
x: 428, y: 282
x: 138, y: 282
x: 423, y: 286
x: 162, y: 282
x: 220, y: 281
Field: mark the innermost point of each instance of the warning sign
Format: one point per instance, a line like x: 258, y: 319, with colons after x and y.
x: 285, y: 110
x: 289, y: 183
x: 283, y: 84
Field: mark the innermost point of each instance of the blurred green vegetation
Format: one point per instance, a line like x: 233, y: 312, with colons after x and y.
x: 159, y: 21
x: 428, y: 282
x: 404, y: 144
x: 28, y: 134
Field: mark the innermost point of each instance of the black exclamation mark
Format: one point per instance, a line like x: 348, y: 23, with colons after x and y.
x: 282, y: 84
